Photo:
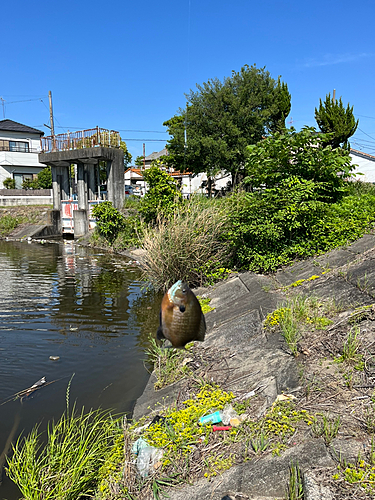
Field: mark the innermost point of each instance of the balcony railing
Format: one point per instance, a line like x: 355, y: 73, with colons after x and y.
x: 81, y: 139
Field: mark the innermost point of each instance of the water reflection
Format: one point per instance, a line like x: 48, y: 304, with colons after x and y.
x: 86, y: 307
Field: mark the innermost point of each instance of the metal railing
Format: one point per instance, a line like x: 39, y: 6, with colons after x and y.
x: 81, y: 139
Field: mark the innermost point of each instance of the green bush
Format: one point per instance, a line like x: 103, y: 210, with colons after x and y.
x: 266, y: 223
x: 131, y: 234
x: 163, y: 193
x: 109, y: 221
x: 9, y: 183
x: 270, y: 228
x: 30, y: 184
x: 45, y: 178
x: 8, y: 223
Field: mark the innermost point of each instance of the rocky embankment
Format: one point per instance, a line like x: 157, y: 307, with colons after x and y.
x: 248, y: 358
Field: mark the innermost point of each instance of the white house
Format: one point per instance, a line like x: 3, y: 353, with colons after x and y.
x: 366, y: 165
x: 190, y: 184
x: 19, y: 148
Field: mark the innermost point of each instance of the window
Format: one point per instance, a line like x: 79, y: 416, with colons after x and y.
x: 19, y: 178
x: 18, y: 146
x: 4, y: 145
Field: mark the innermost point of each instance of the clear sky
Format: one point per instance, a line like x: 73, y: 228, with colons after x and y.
x: 126, y: 65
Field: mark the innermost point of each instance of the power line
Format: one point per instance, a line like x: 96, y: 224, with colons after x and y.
x: 26, y: 100
x: 364, y: 116
x: 366, y: 134
x: 123, y: 130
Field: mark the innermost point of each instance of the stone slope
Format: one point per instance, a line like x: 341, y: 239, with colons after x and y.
x: 261, y: 361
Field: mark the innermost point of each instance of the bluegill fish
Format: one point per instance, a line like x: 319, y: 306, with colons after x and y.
x: 181, y: 317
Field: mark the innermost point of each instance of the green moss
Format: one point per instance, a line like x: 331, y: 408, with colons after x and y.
x: 205, y: 305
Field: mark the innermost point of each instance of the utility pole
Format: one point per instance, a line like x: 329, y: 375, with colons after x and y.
x: 2, y: 102
x: 144, y: 156
x: 51, y: 119
x: 334, y: 96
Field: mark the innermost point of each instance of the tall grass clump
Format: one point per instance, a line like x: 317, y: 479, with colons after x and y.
x: 187, y: 246
x: 66, y: 466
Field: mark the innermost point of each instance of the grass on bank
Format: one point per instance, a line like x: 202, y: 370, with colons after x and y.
x: 66, y: 466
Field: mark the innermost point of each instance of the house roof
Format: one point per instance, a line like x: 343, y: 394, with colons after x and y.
x: 11, y: 126
x: 157, y: 154
x: 362, y: 154
x: 176, y: 173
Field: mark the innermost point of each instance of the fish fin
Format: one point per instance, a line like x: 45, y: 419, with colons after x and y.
x: 159, y: 331
x: 202, y: 329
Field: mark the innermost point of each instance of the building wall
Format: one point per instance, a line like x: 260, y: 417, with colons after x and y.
x: 15, y: 162
x: 365, y: 166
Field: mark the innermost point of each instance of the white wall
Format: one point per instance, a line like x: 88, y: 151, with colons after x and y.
x: 18, y: 162
x: 365, y: 166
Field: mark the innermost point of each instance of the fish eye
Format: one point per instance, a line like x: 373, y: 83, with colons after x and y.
x: 184, y: 290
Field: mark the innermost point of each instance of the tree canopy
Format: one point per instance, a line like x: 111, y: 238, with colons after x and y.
x: 222, y: 118
x: 127, y: 155
x: 303, y: 155
x: 333, y: 118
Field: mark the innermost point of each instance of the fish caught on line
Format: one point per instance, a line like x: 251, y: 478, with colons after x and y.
x: 181, y: 317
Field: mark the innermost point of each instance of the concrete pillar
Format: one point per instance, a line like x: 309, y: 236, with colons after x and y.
x: 55, y: 220
x: 60, y: 185
x: 65, y: 184
x: 91, y: 181
x: 81, y: 223
x: 82, y: 187
x: 115, y: 179
x: 56, y: 191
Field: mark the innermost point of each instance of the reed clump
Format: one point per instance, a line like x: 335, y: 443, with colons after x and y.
x: 188, y: 245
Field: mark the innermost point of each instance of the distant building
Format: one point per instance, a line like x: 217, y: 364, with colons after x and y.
x: 155, y: 156
x: 190, y: 183
x: 19, y: 148
x: 366, y: 165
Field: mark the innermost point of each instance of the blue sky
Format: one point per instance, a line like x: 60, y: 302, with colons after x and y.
x: 127, y: 65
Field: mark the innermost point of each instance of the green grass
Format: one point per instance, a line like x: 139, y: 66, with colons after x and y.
x: 66, y: 467
x: 296, y: 315
x: 8, y: 223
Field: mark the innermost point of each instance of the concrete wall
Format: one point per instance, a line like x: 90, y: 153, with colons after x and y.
x: 14, y: 197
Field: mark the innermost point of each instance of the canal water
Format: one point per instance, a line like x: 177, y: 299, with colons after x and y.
x: 88, y: 308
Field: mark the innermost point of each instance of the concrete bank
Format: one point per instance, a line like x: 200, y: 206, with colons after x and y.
x: 253, y: 359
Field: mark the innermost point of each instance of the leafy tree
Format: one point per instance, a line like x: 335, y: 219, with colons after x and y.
x: 333, y: 118
x: 45, y: 178
x: 163, y: 191
x: 283, y: 100
x: 139, y: 161
x: 127, y: 155
x: 9, y: 183
x: 222, y: 118
x: 301, y: 154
